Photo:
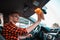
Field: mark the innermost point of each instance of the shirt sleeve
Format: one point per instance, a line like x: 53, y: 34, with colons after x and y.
x: 21, y: 31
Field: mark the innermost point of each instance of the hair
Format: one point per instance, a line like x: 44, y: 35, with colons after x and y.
x: 15, y: 12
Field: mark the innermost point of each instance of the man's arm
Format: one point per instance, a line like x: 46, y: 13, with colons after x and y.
x: 25, y: 36
x: 40, y: 16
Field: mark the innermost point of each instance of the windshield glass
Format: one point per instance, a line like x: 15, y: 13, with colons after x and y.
x: 53, y: 13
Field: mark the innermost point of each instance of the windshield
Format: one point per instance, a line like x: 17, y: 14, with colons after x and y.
x: 53, y: 13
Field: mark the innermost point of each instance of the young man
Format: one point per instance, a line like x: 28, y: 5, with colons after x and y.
x: 12, y: 32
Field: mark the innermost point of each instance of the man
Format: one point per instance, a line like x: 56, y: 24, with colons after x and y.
x: 12, y: 32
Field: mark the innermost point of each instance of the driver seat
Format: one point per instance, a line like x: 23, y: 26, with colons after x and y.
x: 1, y: 37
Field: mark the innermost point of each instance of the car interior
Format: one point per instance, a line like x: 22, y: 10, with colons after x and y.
x: 27, y: 7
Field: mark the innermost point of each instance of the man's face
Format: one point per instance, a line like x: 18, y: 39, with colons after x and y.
x: 15, y: 17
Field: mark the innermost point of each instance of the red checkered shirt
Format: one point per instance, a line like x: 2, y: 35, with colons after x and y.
x: 11, y: 31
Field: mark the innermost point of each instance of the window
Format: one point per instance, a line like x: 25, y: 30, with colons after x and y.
x: 24, y: 23
x: 1, y: 19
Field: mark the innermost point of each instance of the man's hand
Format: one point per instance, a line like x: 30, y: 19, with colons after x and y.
x: 39, y: 12
x: 29, y: 35
x: 25, y: 36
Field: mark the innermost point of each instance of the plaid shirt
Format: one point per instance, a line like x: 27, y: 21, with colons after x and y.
x: 11, y: 31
